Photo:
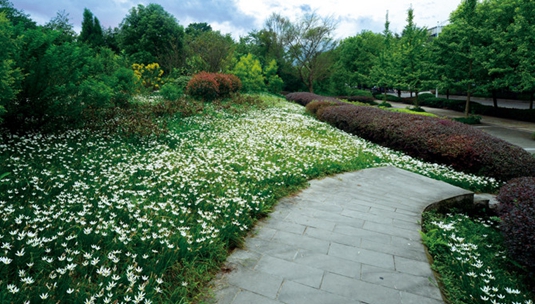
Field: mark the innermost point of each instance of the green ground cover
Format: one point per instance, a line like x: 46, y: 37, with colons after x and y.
x: 93, y: 217
x: 472, y: 262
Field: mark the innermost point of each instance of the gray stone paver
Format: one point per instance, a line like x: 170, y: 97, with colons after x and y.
x: 351, y: 238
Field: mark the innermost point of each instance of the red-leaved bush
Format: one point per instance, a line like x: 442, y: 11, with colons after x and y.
x: 517, y: 211
x: 209, y: 86
x: 203, y: 86
x: 432, y: 139
x: 304, y: 98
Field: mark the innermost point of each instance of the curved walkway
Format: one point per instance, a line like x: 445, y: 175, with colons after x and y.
x: 350, y: 238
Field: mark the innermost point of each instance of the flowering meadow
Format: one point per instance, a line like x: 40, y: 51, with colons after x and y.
x: 92, y: 217
x: 474, y: 248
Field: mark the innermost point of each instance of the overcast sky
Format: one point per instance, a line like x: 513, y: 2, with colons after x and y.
x: 238, y: 17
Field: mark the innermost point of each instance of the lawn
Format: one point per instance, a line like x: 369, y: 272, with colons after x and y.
x: 93, y: 217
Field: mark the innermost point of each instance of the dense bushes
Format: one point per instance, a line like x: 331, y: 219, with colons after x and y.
x: 209, y: 86
x: 304, y: 98
x: 517, y: 212
x: 432, y: 139
x: 365, y: 99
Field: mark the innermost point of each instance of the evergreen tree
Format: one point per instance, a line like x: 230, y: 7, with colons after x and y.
x: 91, y: 33
x: 414, y: 56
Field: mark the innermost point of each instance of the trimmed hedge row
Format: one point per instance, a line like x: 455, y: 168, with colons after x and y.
x: 432, y: 139
x: 304, y: 98
x: 517, y: 211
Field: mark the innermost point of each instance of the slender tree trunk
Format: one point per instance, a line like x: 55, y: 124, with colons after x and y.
x: 495, y: 98
x: 416, y: 103
x: 448, y: 94
x: 467, y: 106
x: 531, y: 97
x: 399, y: 93
x: 468, y: 92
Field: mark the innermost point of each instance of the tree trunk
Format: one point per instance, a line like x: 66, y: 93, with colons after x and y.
x: 495, y: 98
x: 416, y: 104
x: 467, y: 106
x: 399, y: 93
x: 531, y: 97
x: 448, y: 94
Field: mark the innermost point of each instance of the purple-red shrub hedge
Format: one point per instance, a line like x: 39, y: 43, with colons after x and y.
x: 304, y: 98
x: 429, y: 138
x: 517, y: 212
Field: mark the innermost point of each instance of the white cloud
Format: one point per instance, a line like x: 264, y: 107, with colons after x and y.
x: 239, y: 17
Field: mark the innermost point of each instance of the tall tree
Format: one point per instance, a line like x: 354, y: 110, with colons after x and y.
x: 414, y: 56
x: 91, y: 33
x: 523, y: 32
x: 9, y: 74
x: 149, y: 32
x: 460, y: 62
x: 212, y: 49
x: 62, y: 24
x: 309, y: 44
x: 385, y: 70
x: 355, y: 57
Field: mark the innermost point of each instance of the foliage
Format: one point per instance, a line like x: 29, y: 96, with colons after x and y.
x: 304, y: 98
x: 249, y: 70
x: 149, y: 33
x: 309, y: 42
x: 385, y: 68
x: 354, y: 59
x: 9, y: 74
x: 433, y: 139
x: 470, y: 120
x: 91, y: 33
x: 388, y: 97
x: 471, y: 260
x: 274, y: 83
x: 365, y: 99
x: 517, y: 212
x: 171, y: 91
x: 414, y: 56
x: 209, y: 86
x: 203, y: 86
x: 409, y: 111
x: 458, y: 59
x: 124, y: 85
x: 209, y: 51
x: 149, y: 76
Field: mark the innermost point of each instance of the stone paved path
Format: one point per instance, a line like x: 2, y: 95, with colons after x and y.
x: 351, y: 238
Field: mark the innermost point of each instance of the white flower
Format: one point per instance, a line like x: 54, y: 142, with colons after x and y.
x: 70, y: 290
x: 12, y: 288
x: 44, y: 296
x: 6, y: 260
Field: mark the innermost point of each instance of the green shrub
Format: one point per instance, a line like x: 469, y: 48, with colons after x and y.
x: 360, y: 98
x: 171, y: 91
x: 470, y: 120
x: 358, y: 92
x: 388, y: 98
x: 384, y: 105
x: 123, y: 85
x: 203, y: 86
x: 517, y: 211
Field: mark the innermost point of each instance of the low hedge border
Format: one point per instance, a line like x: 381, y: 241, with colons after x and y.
x: 517, y: 212
x: 432, y: 139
